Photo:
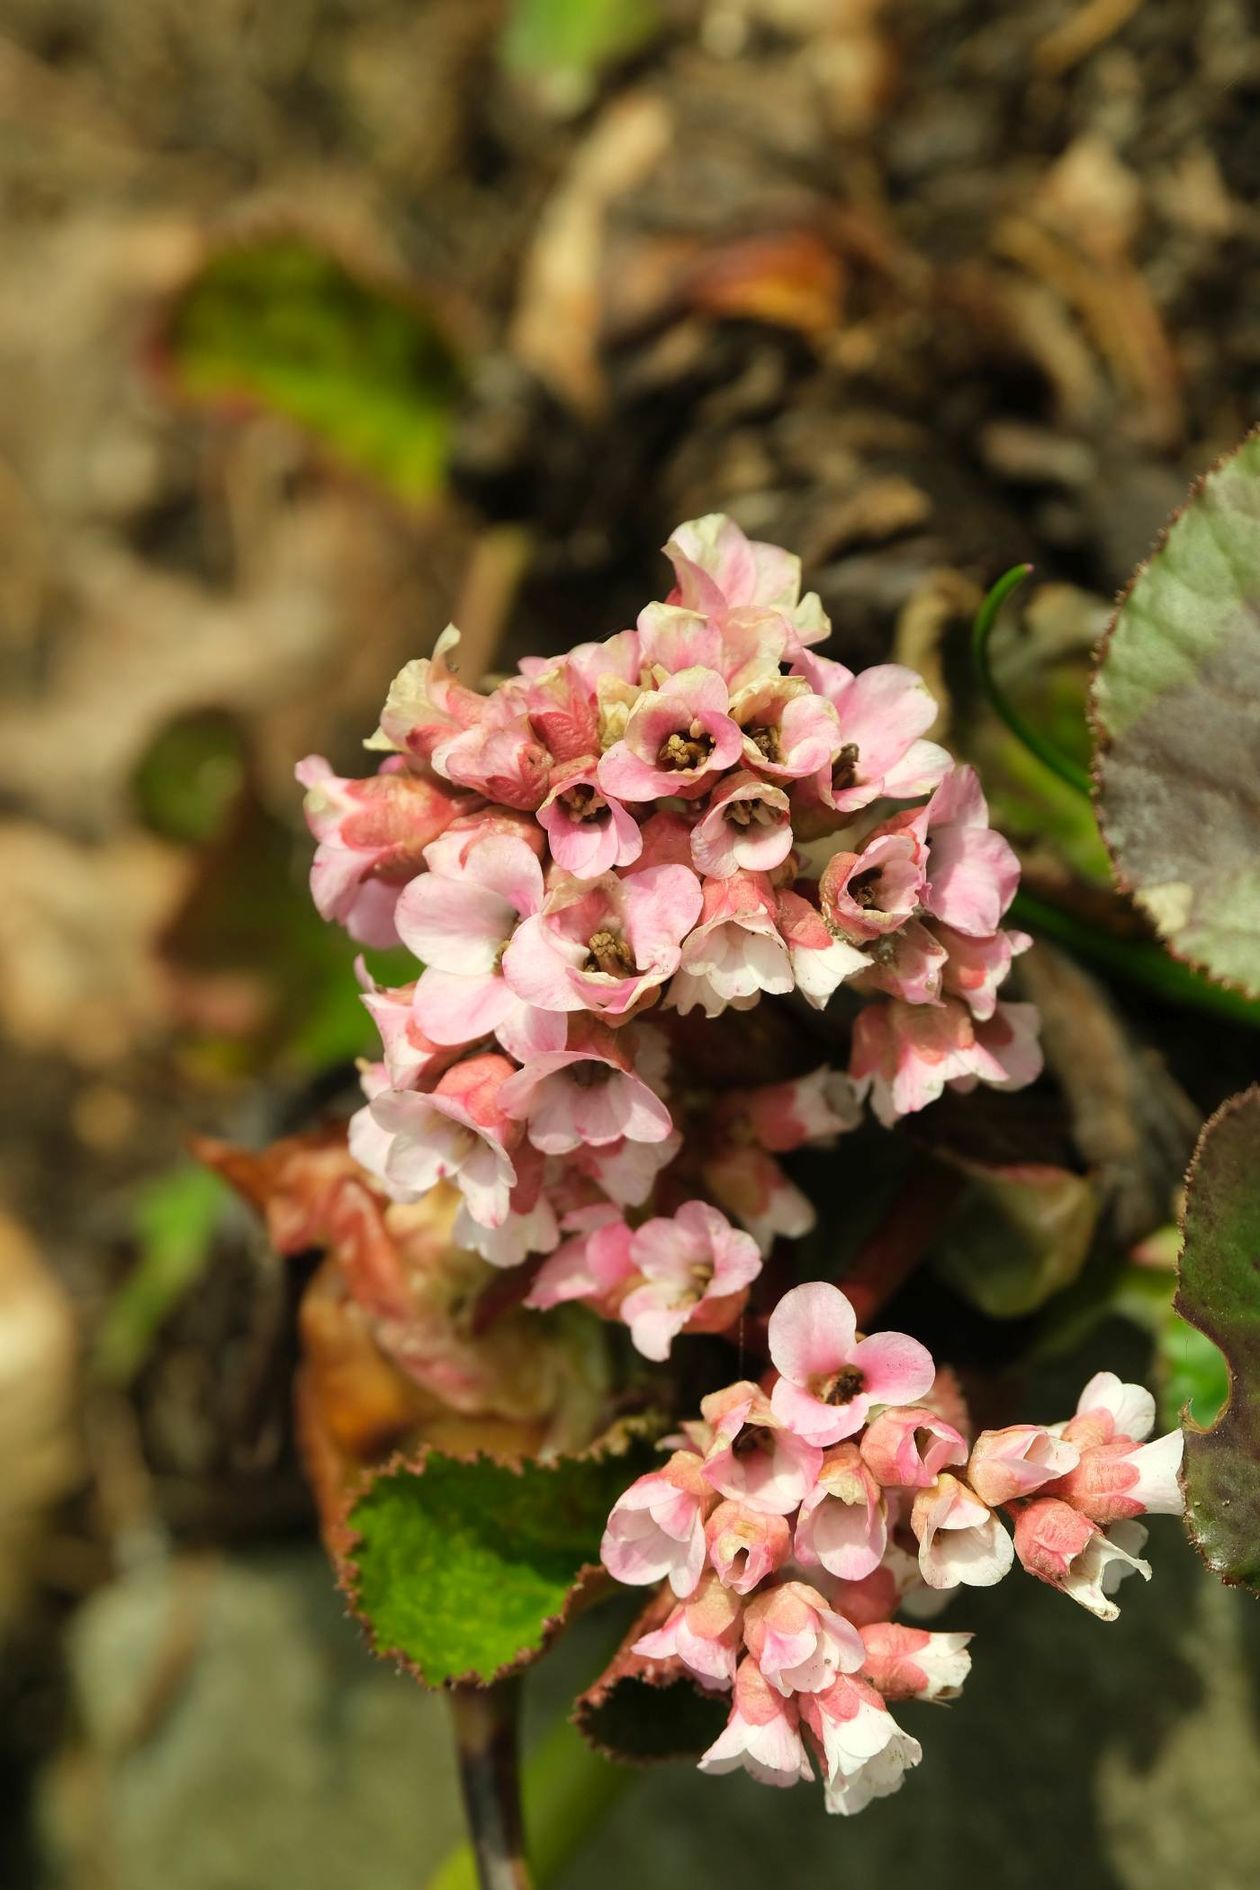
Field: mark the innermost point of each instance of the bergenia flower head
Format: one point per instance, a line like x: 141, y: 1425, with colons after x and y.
x: 596, y: 864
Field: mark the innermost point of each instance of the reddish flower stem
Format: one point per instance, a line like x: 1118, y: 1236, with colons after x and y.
x: 886, y: 1261
x: 485, y: 1720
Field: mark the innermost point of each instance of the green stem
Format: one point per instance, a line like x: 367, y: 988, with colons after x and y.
x: 1036, y: 743
x: 1139, y: 960
x: 567, y: 1791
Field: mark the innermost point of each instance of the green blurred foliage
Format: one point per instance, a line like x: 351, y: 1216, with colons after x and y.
x: 575, y: 40
x: 174, y: 1217
x: 282, y: 323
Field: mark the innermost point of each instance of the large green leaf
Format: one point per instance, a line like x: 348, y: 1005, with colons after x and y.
x: 1220, y: 1294
x: 281, y: 323
x: 464, y: 1568
x: 1176, y: 706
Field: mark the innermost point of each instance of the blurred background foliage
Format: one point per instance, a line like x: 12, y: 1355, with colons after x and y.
x: 323, y: 324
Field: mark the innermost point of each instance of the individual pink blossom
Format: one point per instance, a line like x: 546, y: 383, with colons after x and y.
x: 703, y: 1632
x: 869, y: 893
x: 746, y: 1546
x: 905, y: 1054
x: 762, y: 1735
x: 972, y: 871
x: 1014, y: 1462
x: 908, y: 1663
x: 627, y: 1171
x: 603, y: 944
x: 501, y: 755
x: 459, y: 927
x: 593, y: 1265
x: 974, y: 968
x: 842, y: 1523
x: 820, y: 961
x: 829, y: 1379
x: 1108, y: 1408
x: 559, y: 702
x: 799, y: 1643
x: 740, y: 646
x: 752, y: 1187
x: 678, y: 739
x: 526, y: 1230
x: 1059, y: 1545
x: 656, y: 1529
x: 428, y: 707
x: 789, y: 732
x: 960, y: 1539
x: 372, y: 835
x: 735, y: 951
x: 588, y: 833
x: 586, y: 1093
x: 908, y: 1447
x: 865, y: 1753
x: 754, y: 1458
x: 747, y: 826
x: 786, y: 1116
x: 718, y: 569
x: 696, y: 1270
x: 458, y: 1132
x: 882, y: 713
x: 1116, y: 1475
x: 448, y: 854
x: 911, y: 964
x: 409, y: 1054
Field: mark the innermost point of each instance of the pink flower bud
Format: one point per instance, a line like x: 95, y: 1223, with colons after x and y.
x: 841, y: 1522
x: 799, y: 1643
x: 1016, y: 1461
x: 909, y: 1446
x: 746, y: 1545
x: 1058, y: 1545
x: 656, y: 1530
x: 908, y: 1663
x: 960, y: 1539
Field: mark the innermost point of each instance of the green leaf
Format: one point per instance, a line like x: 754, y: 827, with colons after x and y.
x: 280, y: 323
x: 463, y: 1569
x: 1176, y: 707
x: 175, y: 1216
x: 1219, y: 1293
x: 576, y: 39
x: 1019, y: 1234
x: 1189, y: 1371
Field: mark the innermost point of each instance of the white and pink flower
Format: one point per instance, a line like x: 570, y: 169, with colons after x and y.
x: 754, y: 1458
x: 907, y: 1448
x: 588, y: 1093
x: 656, y: 1530
x: 588, y: 833
x: 762, y: 1735
x: 799, y: 1643
x: 842, y: 1525
x: 696, y: 1270
x: 735, y: 951
x: 603, y: 945
x: 865, y: 1753
x: 1014, y: 1462
x: 1059, y: 1545
x: 746, y: 1546
x: 960, y: 1539
x: 828, y: 1377
x: 678, y: 740
x: 372, y: 835
x: 882, y: 713
x: 747, y: 827
x: 703, y: 1632
x: 458, y: 1132
x: 909, y: 1663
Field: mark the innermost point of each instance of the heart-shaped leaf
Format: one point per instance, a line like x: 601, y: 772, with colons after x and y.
x: 281, y: 323
x: 1176, y: 711
x: 1219, y: 1293
x: 464, y: 1568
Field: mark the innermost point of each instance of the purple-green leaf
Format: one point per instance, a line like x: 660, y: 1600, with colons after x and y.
x: 1176, y: 710
x: 1219, y: 1294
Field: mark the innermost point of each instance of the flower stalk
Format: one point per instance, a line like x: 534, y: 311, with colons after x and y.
x: 485, y: 1720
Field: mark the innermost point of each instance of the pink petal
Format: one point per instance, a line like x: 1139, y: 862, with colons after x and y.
x: 896, y: 1368
x: 812, y: 1330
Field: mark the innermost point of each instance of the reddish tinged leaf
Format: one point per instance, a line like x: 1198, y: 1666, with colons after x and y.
x: 1176, y: 713
x: 1219, y: 1293
x: 643, y: 1711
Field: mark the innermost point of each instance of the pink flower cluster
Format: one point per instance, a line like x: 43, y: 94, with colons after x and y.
x: 687, y: 817
x: 803, y: 1513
